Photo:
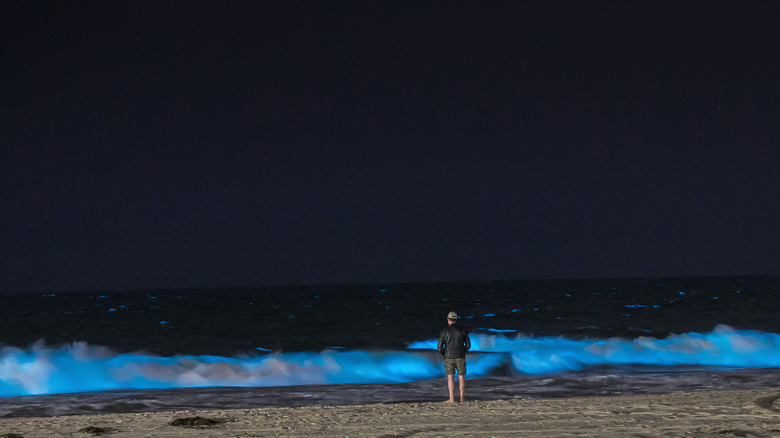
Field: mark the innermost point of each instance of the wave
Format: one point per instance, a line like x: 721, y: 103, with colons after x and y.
x: 724, y: 346
x: 79, y: 367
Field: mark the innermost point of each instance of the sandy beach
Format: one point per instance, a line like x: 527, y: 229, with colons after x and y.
x: 704, y: 413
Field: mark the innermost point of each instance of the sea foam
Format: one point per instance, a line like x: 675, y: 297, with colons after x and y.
x: 79, y: 367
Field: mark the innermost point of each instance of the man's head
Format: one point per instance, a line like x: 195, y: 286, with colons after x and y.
x: 452, y: 317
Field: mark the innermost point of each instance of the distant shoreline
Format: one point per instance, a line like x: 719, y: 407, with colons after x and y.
x: 335, y: 285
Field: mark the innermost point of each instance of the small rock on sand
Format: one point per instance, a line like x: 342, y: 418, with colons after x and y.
x: 93, y: 430
x: 194, y: 422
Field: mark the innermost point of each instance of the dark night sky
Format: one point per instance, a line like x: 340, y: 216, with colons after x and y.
x: 206, y: 144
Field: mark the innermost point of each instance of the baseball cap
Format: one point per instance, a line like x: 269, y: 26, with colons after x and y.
x: 452, y: 315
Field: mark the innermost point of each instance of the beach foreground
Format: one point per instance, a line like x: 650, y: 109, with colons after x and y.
x: 704, y: 413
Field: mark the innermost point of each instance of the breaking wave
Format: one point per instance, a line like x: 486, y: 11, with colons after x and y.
x: 79, y: 367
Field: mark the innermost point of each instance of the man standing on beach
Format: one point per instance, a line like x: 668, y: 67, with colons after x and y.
x: 453, y: 344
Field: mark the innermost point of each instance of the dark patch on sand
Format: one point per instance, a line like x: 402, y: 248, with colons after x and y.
x: 11, y: 435
x: 194, y: 422
x: 739, y: 432
x: 769, y: 402
x: 93, y: 430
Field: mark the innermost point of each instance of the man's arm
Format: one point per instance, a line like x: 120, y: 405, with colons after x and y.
x: 441, y: 343
x: 468, y: 341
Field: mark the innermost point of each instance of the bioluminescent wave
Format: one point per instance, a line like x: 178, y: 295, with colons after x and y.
x: 723, y: 346
x: 83, y: 368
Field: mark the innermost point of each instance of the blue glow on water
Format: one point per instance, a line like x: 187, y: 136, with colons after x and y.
x: 723, y: 346
x: 84, y: 368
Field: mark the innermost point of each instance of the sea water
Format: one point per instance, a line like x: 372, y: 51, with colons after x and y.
x: 146, y: 350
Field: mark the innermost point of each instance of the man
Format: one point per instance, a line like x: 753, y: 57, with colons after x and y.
x: 453, y: 344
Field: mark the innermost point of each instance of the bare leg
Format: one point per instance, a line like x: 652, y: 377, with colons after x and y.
x: 451, y: 388
x: 462, y: 385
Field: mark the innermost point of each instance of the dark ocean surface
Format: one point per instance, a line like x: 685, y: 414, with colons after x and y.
x: 148, y: 350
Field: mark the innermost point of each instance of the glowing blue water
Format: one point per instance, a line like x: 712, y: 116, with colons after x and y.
x: 722, y: 347
x: 83, y: 368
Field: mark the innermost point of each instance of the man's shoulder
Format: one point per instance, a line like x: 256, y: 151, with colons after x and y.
x: 454, y: 328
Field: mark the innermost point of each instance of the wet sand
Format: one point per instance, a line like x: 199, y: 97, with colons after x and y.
x: 703, y: 413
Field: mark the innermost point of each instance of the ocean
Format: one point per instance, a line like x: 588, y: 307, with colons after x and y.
x: 66, y: 353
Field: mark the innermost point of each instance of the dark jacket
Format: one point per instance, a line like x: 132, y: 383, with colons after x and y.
x: 454, y: 342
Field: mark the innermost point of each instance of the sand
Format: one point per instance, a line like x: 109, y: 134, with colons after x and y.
x: 703, y: 413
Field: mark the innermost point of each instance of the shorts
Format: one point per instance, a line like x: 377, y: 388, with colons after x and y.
x: 450, y: 365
